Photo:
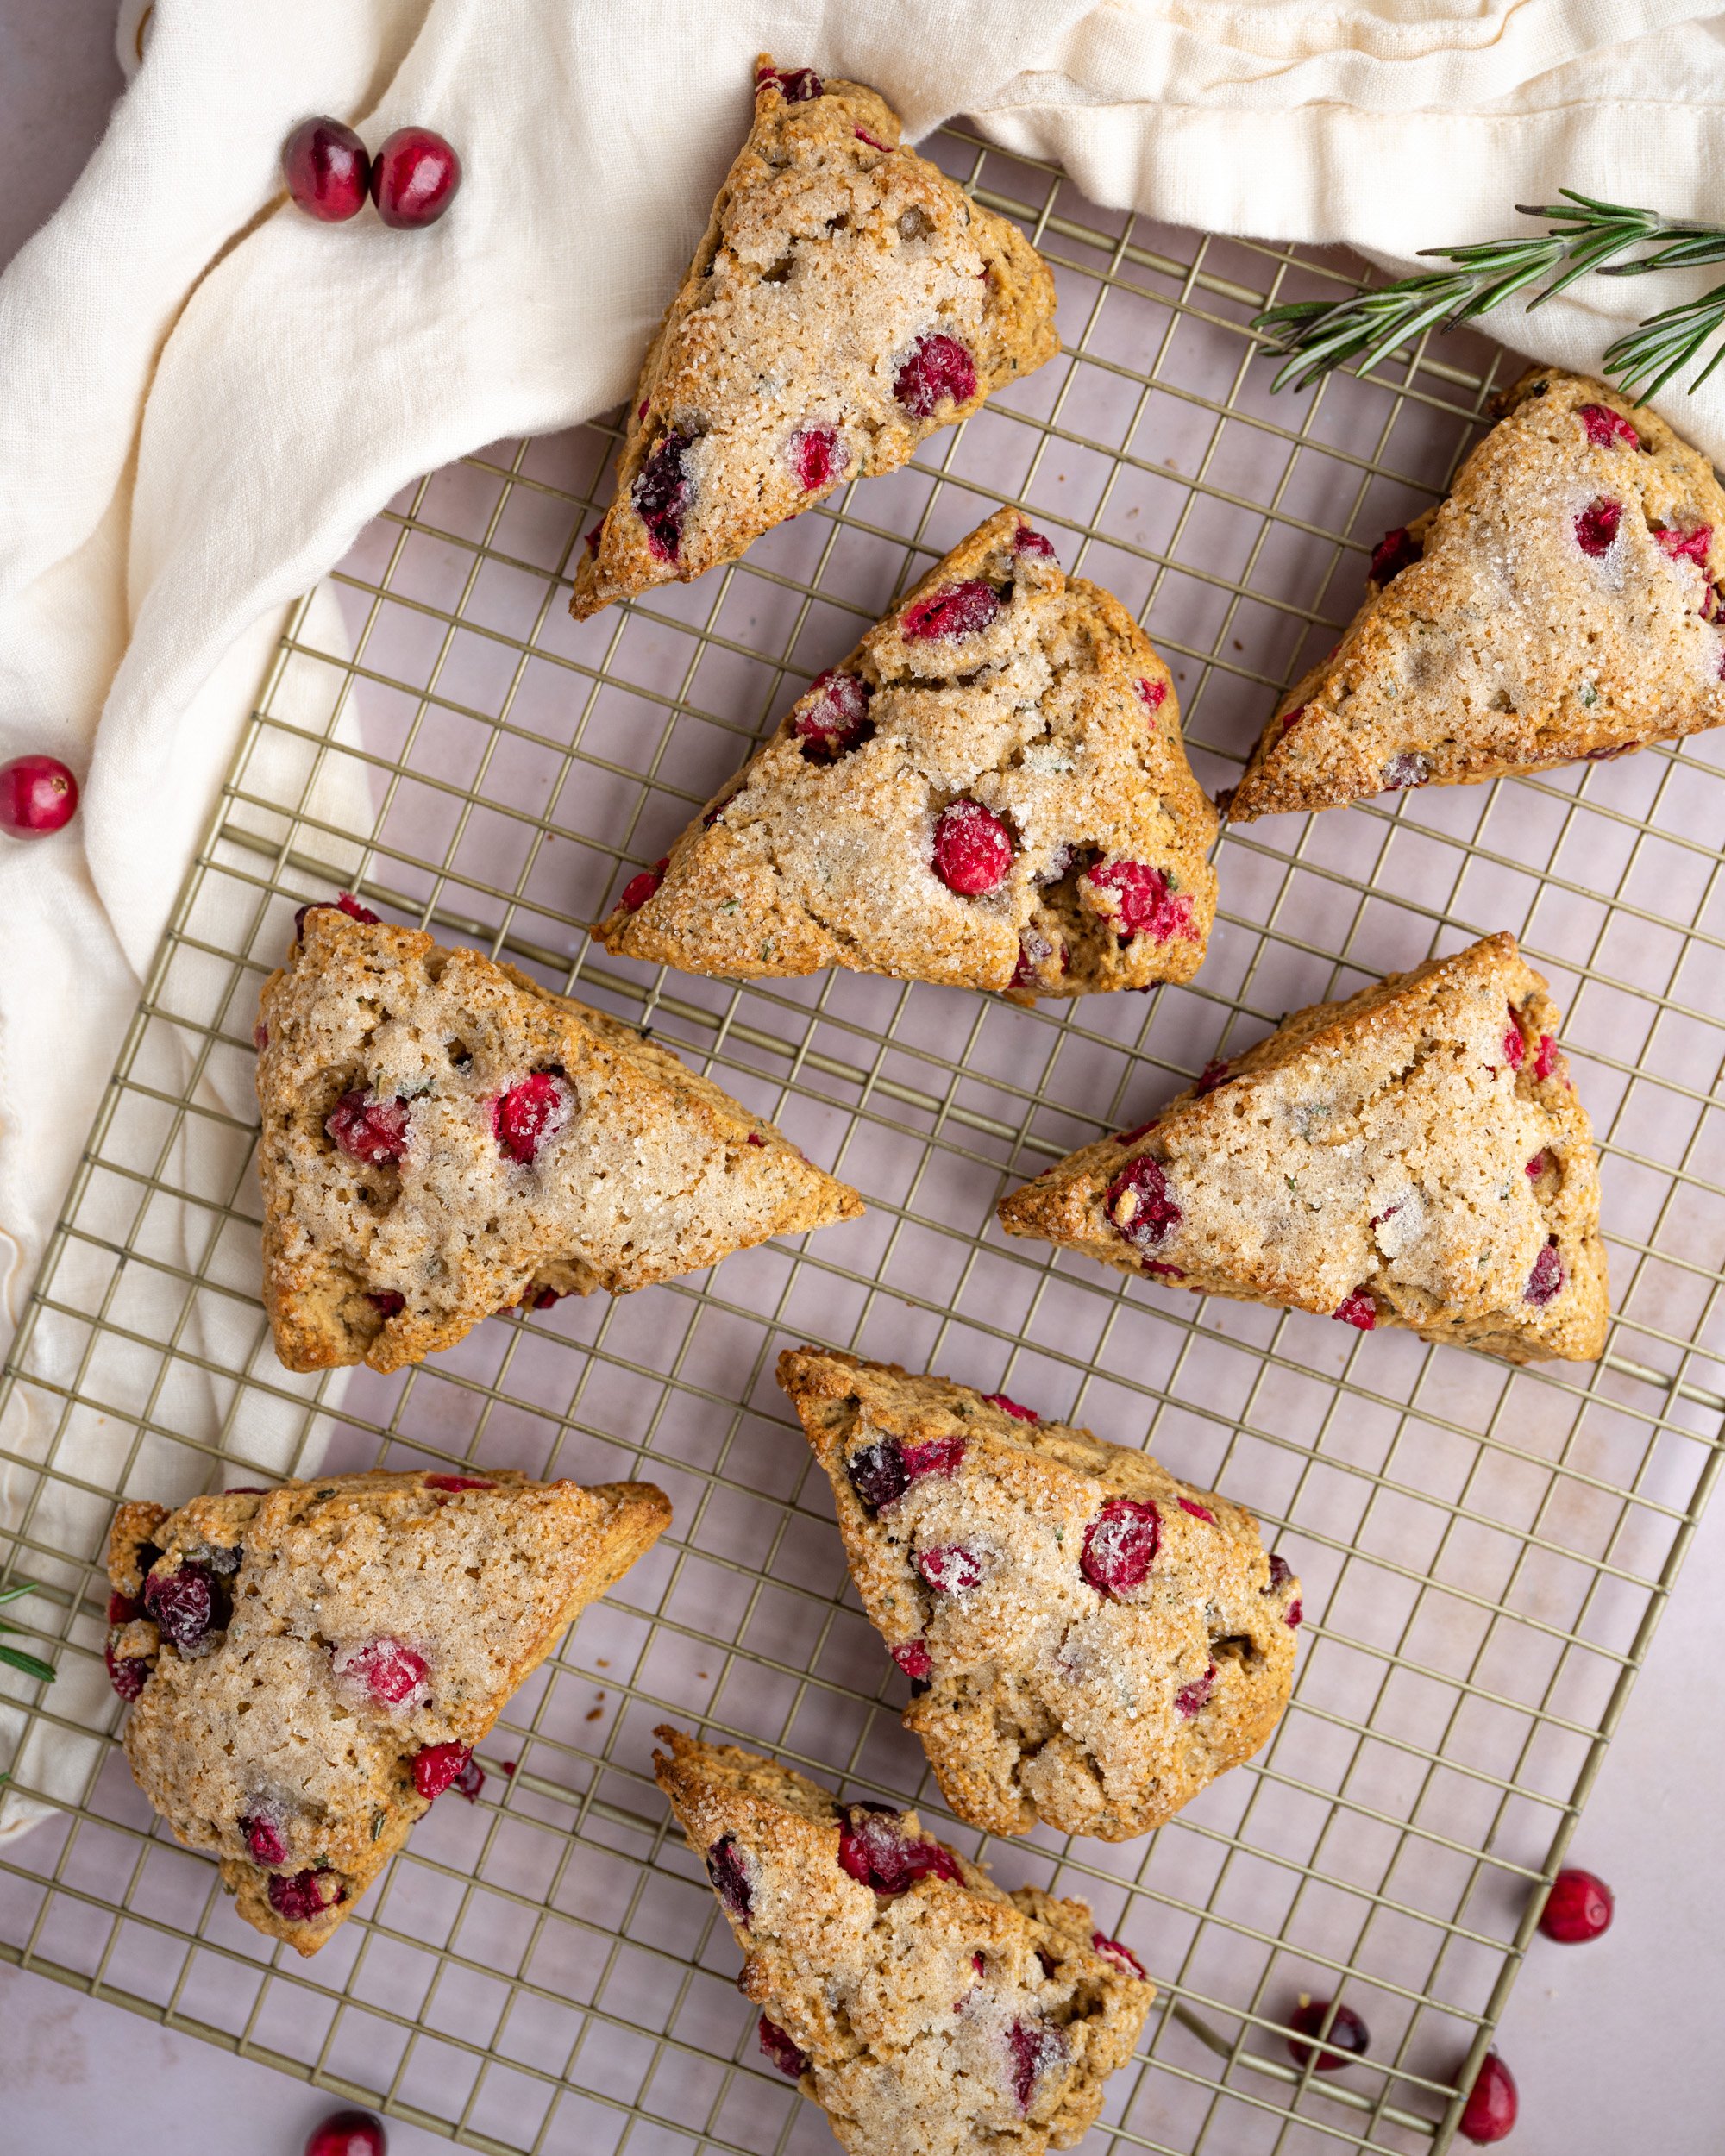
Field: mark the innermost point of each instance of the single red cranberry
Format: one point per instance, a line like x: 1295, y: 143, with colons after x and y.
x: 1010, y: 1406
x: 1138, y: 1204
x: 388, y: 1302
x: 1514, y: 1048
x: 818, y: 457
x: 1197, y: 1511
x: 1357, y: 1309
x: 798, y: 85
x: 1597, y: 526
x: 933, y: 1456
x: 439, y: 1767
x: 834, y: 715
x: 388, y: 1669
x: 1579, y: 1907
x: 128, y: 1674
x: 530, y: 1115
x: 950, y: 1568
x: 1545, y: 1056
x: 639, y: 889
x: 300, y: 1896
x: 346, y: 903
x: 1155, y: 694
x: 1281, y: 1571
x: 1025, y: 541
x: 265, y: 1839
x: 952, y: 610
x: 1346, y: 2038
x: 1215, y: 1074
x: 790, y: 2060
x: 1489, y: 2113
x: 121, y: 1608
x: 1394, y: 552
x: 1296, y: 1611
x: 349, y: 2134
x: 914, y: 1658
x: 730, y: 1877
x: 877, y: 1473
x: 936, y: 368
x: 1113, y: 1950
x: 182, y: 1603
x: 458, y: 1482
x: 1192, y: 1698
x: 873, y: 1848
x: 1290, y: 719
x: 1120, y: 1546
x: 1546, y: 1282
x: 38, y: 796
x: 1407, y: 769
x: 661, y: 494
x: 368, y: 1128
x: 415, y: 175
x: 1604, y: 427
x: 1143, y: 904
x: 261, y: 1036
x: 327, y: 170
x: 1536, y: 1167
x: 1035, y: 2049
x: 973, y: 850
x: 1686, y: 546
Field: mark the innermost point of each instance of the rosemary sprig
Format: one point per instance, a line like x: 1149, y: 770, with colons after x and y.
x: 1314, y: 335
x: 14, y: 1658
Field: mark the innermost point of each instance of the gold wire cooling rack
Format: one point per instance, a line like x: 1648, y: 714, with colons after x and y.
x: 1485, y: 1551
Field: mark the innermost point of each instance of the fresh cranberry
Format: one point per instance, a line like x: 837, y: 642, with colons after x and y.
x: 327, y: 170
x: 874, y: 1849
x: 1490, y: 2112
x: 264, y: 1838
x: 349, y: 2134
x: 388, y: 1302
x: 791, y: 2061
x: 933, y: 1456
x: 1408, y: 769
x: 368, y: 1128
x: 345, y: 903
x: 1197, y: 1511
x: 1514, y: 1048
x: 1142, y: 903
x: 1120, y: 1546
x: 1579, y: 1907
x: 38, y: 795
x: 837, y: 718
x: 1687, y: 546
x: 914, y: 1658
x: 730, y: 1877
x: 1113, y: 1950
x: 639, y: 889
x: 301, y: 1895
x: 128, y: 1674
x: 1154, y: 693
x: 182, y: 1603
x: 439, y: 1767
x: 1545, y: 1056
x: 950, y: 1568
x: 530, y: 1115
x: 1546, y: 1282
x: 661, y: 494
x: 388, y: 1669
x: 817, y: 457
x: 1215, y: 1074
x: 1357, y: 1309
x: 1605, y: 427
x: 1394, y: 552
x: 796, y: 85
x: 414, y: 178
x: 1191, y: 1698
x: 938, y: 367
x: 1025, y: 541
x: 1281, y: 1571
x: 1295, y: 1613
x: 877, y: 1475
x: 458, y: 1482
x: 1037, y: 2048
x: 1139, y: 1204
x: 1008, y: 1406
x: 1346, y: 2038
x: 1597, y: 526
x: 973, y: 850
x: 953, y: 610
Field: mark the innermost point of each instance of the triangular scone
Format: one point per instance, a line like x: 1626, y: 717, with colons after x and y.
x: 442, y: 1138
x: 991, y: 791
x: 848, y: 300
x: 311, y: 1665
x: 1558, y: 602
x: 926, y: 2012
x: 1414, y: 1156
x: 1090, y: 1642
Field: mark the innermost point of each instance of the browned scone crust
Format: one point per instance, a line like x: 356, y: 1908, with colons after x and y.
x: 656, y: 1172
x: 1376, y: 1149
x: 829, y: 255
x: 922, y: 2015
x: 1057, y: 717
x: 1504, y: 646
x: 1041, y: 1696
x: 266, y: 1717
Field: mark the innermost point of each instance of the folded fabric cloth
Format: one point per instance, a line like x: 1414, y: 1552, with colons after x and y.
x: 204, y: 394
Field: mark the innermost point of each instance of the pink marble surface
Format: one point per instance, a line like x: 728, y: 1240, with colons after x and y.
x: 1613, y: 2044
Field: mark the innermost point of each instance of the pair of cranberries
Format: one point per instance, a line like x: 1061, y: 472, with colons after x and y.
x: 329, y: 174
x: 1329, y: 2035
x: 38, y: 795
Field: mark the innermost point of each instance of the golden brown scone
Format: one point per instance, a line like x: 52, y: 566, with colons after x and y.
x: 926, y: 2012
x: 1414, y: 1156
x: 991, y: 791
x: 444, y: 1138
x: 1560, y: 602
x: 847, y: 301
x: 1089, y: 1641
x: 309, y: 1666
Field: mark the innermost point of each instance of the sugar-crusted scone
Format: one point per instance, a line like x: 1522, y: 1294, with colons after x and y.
x: 848, y: 300
x: 991, y: 791
x: 926, y: 2012
x: 1089, y: 1641
x: 1414, y: 1156
x: 442, y: 1138
x: 311, y: 1665
x: 1560, y: 602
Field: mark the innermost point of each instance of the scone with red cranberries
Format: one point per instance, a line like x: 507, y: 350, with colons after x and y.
x: 991, y: 791
x: 309, y: 1666
x: 1414, y: 1156
x: 926, y: 2012
x: 1562, y: 601
x: 1089, y: 1641
x: 442, y: 1138
x: 847, y: 301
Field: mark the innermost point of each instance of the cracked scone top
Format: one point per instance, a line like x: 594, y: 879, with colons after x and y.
x: 1415, y: 1157
x: 991, y: 791
x: 311, y: 1665
x: 847, y: 301
x: 1559, y: 602
x: 1089, y: 1641
x: 442, y: 1138
x: 926, y: 2011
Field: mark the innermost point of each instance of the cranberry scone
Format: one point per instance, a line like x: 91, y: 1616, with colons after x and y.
x: 1089, y: 1640
x: 847, y: 301
x: 444, y: 1138
x: 991, y: 791
x: 1415, y: 1157
x: 307, y: 1667
x: 927, y: 2012
x: 1560, y: 602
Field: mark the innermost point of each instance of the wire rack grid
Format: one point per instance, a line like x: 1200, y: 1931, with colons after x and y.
x: 1485, y: 1551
